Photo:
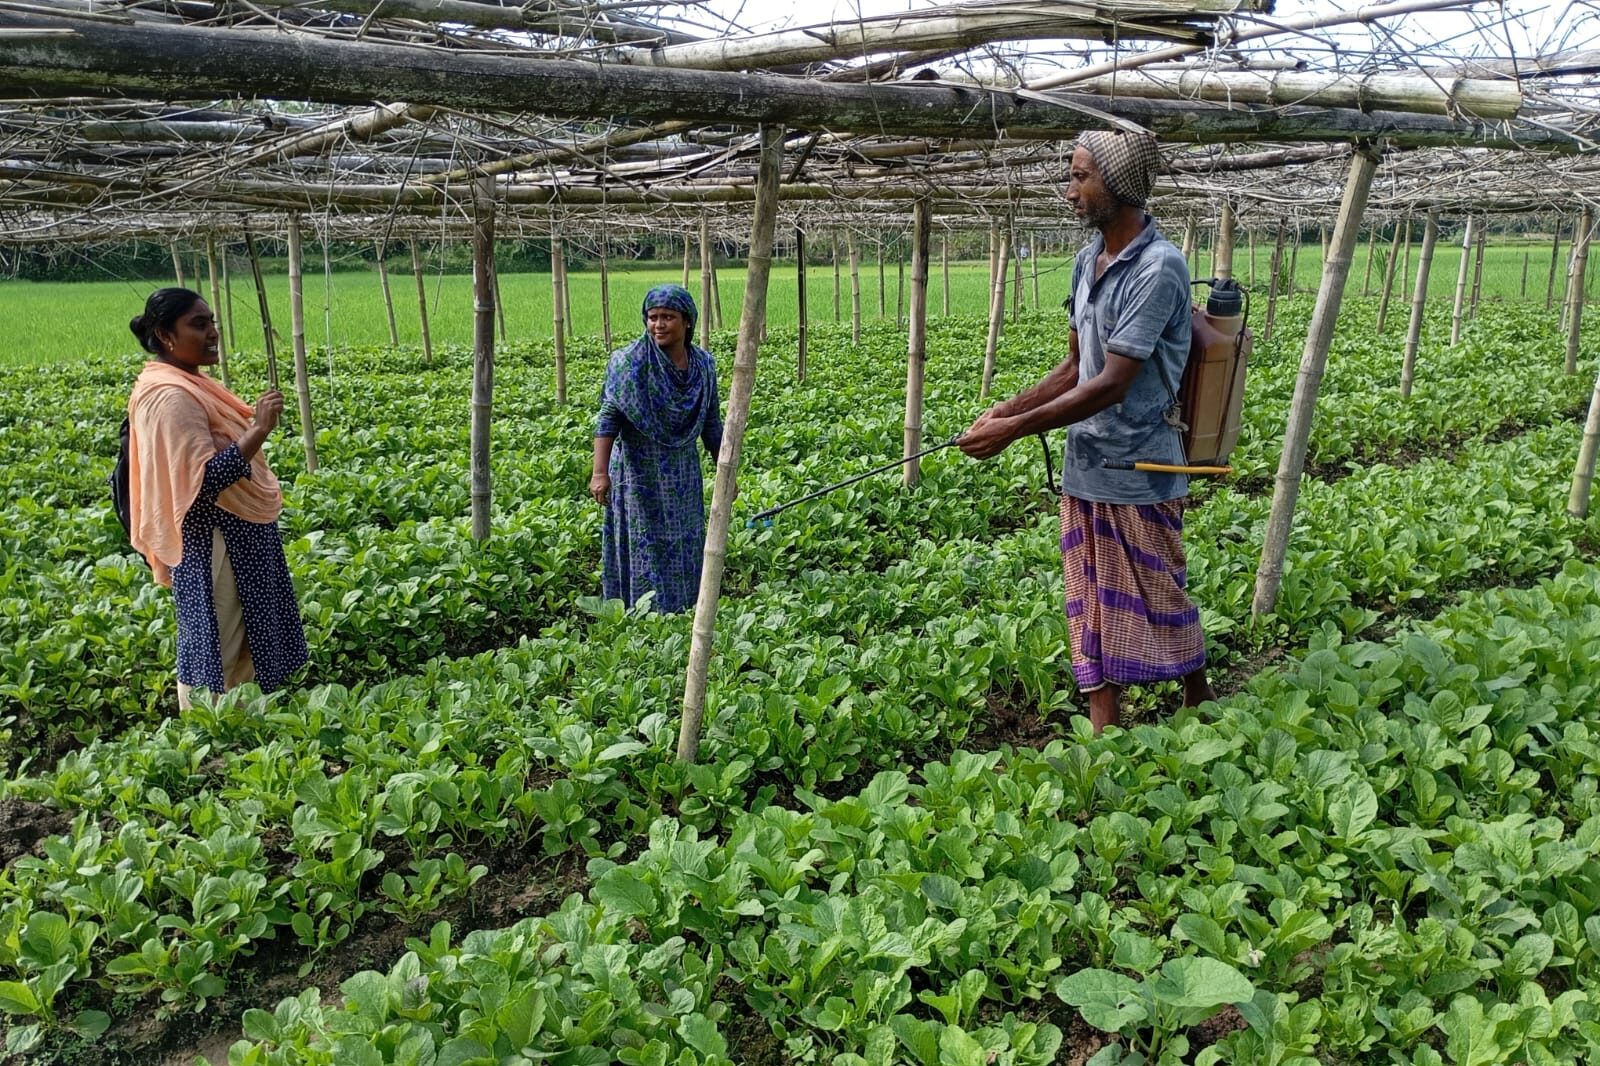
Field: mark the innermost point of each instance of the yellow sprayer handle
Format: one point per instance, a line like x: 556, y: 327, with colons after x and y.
x: 1167, y: 468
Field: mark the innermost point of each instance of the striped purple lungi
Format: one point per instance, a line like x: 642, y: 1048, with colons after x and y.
x: 1131, y: 620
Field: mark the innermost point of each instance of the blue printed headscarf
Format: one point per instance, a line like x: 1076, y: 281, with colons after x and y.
x: 660, y: 401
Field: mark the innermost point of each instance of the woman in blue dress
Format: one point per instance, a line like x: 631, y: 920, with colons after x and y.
x: 659, y: 399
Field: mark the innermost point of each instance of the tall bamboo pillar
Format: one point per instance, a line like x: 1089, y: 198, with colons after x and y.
x: 997, y: 316
x: 1222, y: 252
x: 744, y: 375
x: 1527, y: 257
x: 566, y: 294
x: 1033, y: 267
x: 716, y: 289
x: 605, y: 287
x: 1477, y: 270
x: 483, y: 316
x: 297, y: 335
x: 1250, y: 240
x: 1372, y: 248
x: 705, y: 281
x: 1275, y: 269
x: 1408, y: 368
x: 1575, y: 286
x: 499, y: 302
x: 422, y: 304
x: 227, y: 298
x: 1016, y: 267
x: 177, y: 266
x: 1461, y: 283
x: 855, y: 287
x: 388, y: 296
x: 882, y: 287
x: 216, y: 305
x: 803, y: 319
x: 900, y: 284
x: 944, y: 263
x: 1294, y: 260
x: 917, y: 338
x: 1388, y: 270
x: 994, y: 253
x: 1405, y: 259
x: 558, y: 310
x: 1291, y: 465
x: 1555, y: 260
x: 264, y: 309
x: 685, y: 281
x: 327, y: 301
x: 1191, y: 240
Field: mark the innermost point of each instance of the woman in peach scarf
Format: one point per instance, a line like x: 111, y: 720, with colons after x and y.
x: 204, y: 505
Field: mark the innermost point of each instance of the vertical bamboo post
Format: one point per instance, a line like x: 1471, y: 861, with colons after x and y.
x: 1322, y: 229
x: 1575, y: 287
x: 1033, y: 267
x: 1555, y: 259
x: 566, y: 294
x: 685, y: 281
x: 917, y: 337
x: 944, y: 261
x: 882, y: 288
x: 422, y: 304
x: 705, y: 281
x: 1405, y: 260
x: 994, y: 253
x: 744, y: 374
x: 716, y: 289
x: 803, y: 320
x: 327, y: 302
x: 1372, y: 249
x: 1527, y: 257
x: 558, y: 310
x: 1388, y: 271
x: 227, y: 298
x: 1461, y: 283
x: 266, y: 312
x: 1191, y: 239
x: 834, y: 243
x: 1275, y: 268
x: 177, y: 266
x: 1250, y: 239
x: 499, y: 303
x: 1291, y: 465
x: 1408, y: 368
x: 483, y: 316
x: 1294, y: 260
x: 1222, y: 255
x: 297, y: 336
x: 997, y: 315
x: 605, y: 286
x: 855, y: 287
x: 388, y: 296
x: 1016, y: 267
x: 1477, y: 270
x: 216, y: 303
x: 1583, y: 472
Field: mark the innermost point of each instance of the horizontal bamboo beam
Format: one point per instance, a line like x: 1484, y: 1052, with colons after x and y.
x: 185, y: 63
x: 534, y: 17
x: 1476, y: 98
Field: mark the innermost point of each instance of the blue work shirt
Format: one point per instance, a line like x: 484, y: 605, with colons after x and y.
x: 1138, y: 308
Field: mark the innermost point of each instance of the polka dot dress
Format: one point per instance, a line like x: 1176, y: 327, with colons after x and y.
x: 272, y: 624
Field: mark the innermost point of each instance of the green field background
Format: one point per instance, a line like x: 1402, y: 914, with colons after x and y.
x: 61, y: 320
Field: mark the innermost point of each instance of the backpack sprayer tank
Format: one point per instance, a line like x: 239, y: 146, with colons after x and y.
x: 1211, y: 394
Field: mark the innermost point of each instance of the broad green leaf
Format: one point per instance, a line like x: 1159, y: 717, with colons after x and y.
x: 700, y: 1033
x: 18, y: 998
x: 620, y: 890
x: 1469, y: 1036
x: 1350, y: 812
x: 1196, y: 981
x: 919, y: 1037
x: 1108, y: 1001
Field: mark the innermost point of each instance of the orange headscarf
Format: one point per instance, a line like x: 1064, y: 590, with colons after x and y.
x: 178, y: 422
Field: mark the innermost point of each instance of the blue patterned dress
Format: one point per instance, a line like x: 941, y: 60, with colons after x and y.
x: 655, y: 524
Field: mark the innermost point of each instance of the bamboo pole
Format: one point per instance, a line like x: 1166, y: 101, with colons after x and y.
x: 388, y: 295
x: 1294, y: 260
x: 994, y: 253
x: 566, y: 294
x: 1575, y: 288
x: 834, y: 244
x: 1250, y: 239
x: 1461, y: 283
x: 944, y: 261
x: 494, y: 287
x: 227, y: 298
x: 997, y: 315
x: 1372, y: 247
x: 1275, y: 268
x: 1555, y: 259
x: 483, y: 316
x: 1016, y: 269
x: 900, y: 284
x: 1191, y: 240
x: 605, y: 287
x: 1405, y: 262
x: 685, y: 281
x: 1430, y: 237
x: 705, y: 281
x: 1477, y: 270
x: 1033, y: 267
x: 917, y: 339
x: 558, y: 312
x: 216, y: 302
x: 265, y: 311
x: 1319, y: 337
x: 802, y: 324
x: 327, y: 303
x: 1222, y: 257
x: 716, y: 289
x: 422, y: 304
x: 882, y: 288
x: 744, y: 374
x: 1583, y: 472
x: 297, y: 336
x: 855, y: 288
x: 1527, y: 257
x: 177, y: 266
x: 1388, y: 271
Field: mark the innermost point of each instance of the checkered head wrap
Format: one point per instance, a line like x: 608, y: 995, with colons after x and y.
x: 1128, y: 162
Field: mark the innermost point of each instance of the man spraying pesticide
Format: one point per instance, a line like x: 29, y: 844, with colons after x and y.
x: 1130, y: 619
